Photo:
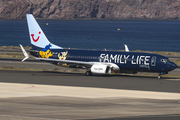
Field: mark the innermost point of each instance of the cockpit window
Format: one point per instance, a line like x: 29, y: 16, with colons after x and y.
x: 165, y: 60
x: 168, y: 60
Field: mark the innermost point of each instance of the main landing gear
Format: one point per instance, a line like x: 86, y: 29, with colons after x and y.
x: 88, y: 73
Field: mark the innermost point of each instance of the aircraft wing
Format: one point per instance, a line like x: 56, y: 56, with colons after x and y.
x: 86, y: 64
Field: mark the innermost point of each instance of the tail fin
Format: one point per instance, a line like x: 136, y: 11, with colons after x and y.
x: 37, y: 36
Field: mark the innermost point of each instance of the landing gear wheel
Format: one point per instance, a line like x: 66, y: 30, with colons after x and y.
x: 88, y: 73
x: 159, y: 76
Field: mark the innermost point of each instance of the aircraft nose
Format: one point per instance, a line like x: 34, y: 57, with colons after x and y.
x: 172, y: 65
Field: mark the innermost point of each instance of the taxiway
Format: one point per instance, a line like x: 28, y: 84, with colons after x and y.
x: 45, y: 95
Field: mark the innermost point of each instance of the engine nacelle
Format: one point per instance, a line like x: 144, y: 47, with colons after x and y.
x: 101, y: 69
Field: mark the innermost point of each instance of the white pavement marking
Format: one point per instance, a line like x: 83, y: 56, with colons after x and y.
x: 8, y: 90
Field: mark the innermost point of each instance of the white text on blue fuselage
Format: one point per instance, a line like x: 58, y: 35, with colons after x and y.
x: 124, y: 59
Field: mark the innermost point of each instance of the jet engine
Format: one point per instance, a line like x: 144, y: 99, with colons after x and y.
x: 101, y: 69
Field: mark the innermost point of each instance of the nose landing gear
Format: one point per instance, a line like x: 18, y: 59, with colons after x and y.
x: 159, y: 76
x: 162, y: 73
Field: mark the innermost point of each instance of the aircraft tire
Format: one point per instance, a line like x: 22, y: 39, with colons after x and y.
x: 88, y: 73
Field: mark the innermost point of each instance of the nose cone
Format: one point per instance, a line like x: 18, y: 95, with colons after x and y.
x: 172, y: 66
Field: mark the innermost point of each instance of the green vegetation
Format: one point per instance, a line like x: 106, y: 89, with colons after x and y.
x: 155, y: 75
x: 78, y: 71
x: 147, y: 74
x: 177, y: 61
x: 33, y: 69
x: 12, y: 68
x: 14, y: 47
x: 20, y: 55
x: 12, y: 55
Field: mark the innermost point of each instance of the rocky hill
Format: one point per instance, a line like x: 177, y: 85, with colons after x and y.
x: 91, y: 9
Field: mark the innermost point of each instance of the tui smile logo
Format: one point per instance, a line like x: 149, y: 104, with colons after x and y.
x: 35, y: 40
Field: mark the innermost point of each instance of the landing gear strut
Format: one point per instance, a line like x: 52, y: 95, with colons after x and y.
x: 88, y: 73
x: 162, y: 73
x: 159, y: 75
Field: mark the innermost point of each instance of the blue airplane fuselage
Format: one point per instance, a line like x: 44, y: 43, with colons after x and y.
x: 126, y: 61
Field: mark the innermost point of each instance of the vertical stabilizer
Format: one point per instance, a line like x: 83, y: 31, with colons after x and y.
x: 37, y: 36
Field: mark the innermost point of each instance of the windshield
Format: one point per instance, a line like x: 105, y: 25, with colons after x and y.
x: 165, y: 60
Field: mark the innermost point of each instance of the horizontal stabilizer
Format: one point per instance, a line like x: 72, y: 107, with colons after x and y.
x: 24, y: 52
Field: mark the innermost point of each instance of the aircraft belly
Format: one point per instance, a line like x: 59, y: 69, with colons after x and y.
x: 130, y: 67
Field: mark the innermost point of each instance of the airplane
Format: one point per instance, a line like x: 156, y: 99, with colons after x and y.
x: 94, y: 61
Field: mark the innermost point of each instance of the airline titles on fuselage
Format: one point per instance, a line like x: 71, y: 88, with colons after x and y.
x: 141, y: 60
x: 123, y: 59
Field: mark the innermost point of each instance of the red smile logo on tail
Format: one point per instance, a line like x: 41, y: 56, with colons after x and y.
x: 35, y: 40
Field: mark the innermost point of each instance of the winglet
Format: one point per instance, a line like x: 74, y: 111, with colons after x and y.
x: 126, y: 48
x: 24, y: 52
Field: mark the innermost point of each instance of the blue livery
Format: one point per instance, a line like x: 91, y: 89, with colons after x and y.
x: 95, y: 61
